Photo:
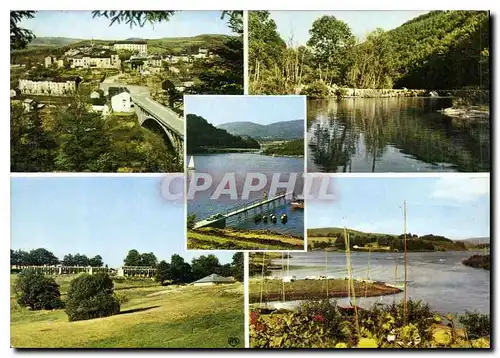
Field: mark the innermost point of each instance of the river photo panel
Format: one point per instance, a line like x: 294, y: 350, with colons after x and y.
x: 388, y: 91
x: 245, y: 172
x: 392, y: 262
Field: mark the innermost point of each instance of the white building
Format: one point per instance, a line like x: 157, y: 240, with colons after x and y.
x: 173, y: 69
x: 113, y: 61
x: 212, y: 279
x: 135, y: 46
x: 120, y: 100
x: 49, y: 86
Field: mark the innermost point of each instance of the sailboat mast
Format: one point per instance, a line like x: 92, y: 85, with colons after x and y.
x: 406, y: 273
x: 283, y: 270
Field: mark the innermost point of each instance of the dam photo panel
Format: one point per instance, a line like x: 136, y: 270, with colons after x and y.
x: 245, y: 172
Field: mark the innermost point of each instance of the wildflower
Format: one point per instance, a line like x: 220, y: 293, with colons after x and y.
x: 254, y: 316
x: 260, y: 327
x: 319, y: 318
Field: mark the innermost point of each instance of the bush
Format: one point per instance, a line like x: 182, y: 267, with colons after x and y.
x: 476, y: 324
x: 91, y: 296
x: 37, y: 291
x: 191, y: 220
x: 317, y: 89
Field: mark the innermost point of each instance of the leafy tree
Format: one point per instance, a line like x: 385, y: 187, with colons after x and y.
x: 19, y: 257
x: 331, y: 40
x: 134, y: 18
x: 204, y: 265
x: 20, y: 37
x: 191, y: 220
x: 37, y: 291
x: 476, y: 324
x: 91, y: 296
x: 180, y: 271
x: 32, y: 148
x: 148, y: 259
x: 41, y: 256
x: 162, y: 272
x: 96, y: 261
x: 133, y: 258
x: 237, y: 266
x: 84, y: 144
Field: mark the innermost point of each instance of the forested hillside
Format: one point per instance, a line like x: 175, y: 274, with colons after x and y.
x: 438, y: 50
x: 202, y: 135
x: 284, y: 130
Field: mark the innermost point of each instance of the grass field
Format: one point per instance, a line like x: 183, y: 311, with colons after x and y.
x: 232, y: 239
x: 313, y: 289
x: 151, y: 316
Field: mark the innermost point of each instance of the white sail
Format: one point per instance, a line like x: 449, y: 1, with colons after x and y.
x: 191, y: 163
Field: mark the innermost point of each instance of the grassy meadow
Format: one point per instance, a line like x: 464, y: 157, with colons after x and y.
x: 232, y: 239
x: 152, y: 316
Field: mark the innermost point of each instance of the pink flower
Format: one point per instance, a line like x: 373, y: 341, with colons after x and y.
x: 319, y: 318
x: 254, y: 316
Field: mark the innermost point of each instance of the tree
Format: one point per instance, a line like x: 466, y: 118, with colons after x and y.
x: 20, y: 37
x: 91, y: 296
x: 41, y: 256
x: 133, y: 258
x: 162, y: 272
x: 204, y: 266
x: 68, y: 260
x: 37, y: 291
x: 19, y: 257
x: 134, y: 18
x: 148, y: 259
x: 180, y: 271
x: 331, y: 41
x: 96, y: 261
x: 237, y: 266
x: 84, y: 144
x: 32, y: 148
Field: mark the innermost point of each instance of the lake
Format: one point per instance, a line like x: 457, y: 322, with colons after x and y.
x: 240, y: 164
x: 437, y: 278
x: 393, y: 135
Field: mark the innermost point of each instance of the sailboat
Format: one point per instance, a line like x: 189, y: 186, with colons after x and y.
x: 191, y: 163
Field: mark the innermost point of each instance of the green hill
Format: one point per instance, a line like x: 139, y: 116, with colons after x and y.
x: 203, y: 137
x: 442, y: 50
x: 52, y: 41
x: 333, y: 239
x: 285, y: 130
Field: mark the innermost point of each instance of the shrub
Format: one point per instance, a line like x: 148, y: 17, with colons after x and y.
x: 476, y: 324
x: 91, y: 296
x: 191, y: 220
x: 37, y: 291
x: 317, y: 89
x: 340, y: 92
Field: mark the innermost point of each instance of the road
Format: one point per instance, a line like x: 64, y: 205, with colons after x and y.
x: 142, y: 96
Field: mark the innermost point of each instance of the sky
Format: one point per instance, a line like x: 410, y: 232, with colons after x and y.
x: 455, y: 206
x: 263, y: 110
x: 105, y: 216
x: 81, y: 25
x: 296, y: 24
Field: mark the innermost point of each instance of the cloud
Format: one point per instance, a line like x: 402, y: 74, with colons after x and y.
x: 461, y: 188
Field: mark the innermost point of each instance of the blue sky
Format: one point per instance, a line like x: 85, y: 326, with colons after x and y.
x: 454, y: 206
x: 98, y: 215
x: 80, y: 24
x: 258, y: 109
x: 297, y: 24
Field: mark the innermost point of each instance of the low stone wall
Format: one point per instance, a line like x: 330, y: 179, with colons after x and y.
x: 380, y: 93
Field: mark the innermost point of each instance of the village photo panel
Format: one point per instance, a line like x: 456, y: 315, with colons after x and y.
x: 103, y: 90
x: 244, y: 165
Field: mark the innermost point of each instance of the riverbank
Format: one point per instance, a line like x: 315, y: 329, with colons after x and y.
x: 272, y: 290
x: 478, y: 261
x: 239, y: 239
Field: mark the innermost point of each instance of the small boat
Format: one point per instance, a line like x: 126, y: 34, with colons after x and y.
x: 273, y: 218
x: 191, y: 163
x: 264, y: 218
x: 257, y: 218
x: 284, y: 218
x: 297, y: 204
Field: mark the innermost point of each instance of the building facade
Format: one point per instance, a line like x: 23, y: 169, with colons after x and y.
x: 49, y: 86
x: 140, y: 47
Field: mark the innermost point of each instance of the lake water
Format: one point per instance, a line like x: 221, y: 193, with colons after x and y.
x: 240, y: 164
x: 393, y: 135
x: 437, y: 278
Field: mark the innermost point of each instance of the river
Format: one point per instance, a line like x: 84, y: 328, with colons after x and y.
x: 393, y: 135
x: 437, y: 278
x: 240, y: 164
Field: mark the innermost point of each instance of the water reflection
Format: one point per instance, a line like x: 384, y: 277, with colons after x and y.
x: 393, y: 135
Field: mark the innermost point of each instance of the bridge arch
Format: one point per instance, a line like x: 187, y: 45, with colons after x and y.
x: 153, y: 125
